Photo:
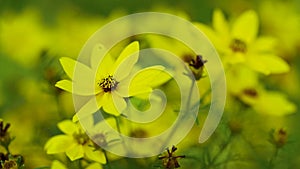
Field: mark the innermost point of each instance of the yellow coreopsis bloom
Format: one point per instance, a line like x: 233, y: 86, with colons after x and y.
x: 74, y: 142
x: 238, y: 43
x: 244, y: 84
x: 109, y: 82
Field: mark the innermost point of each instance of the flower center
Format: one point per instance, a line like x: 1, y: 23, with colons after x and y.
x: 238, y: 45
x: 250, y: 92
x: 81, y: 138
x: 108, y: 84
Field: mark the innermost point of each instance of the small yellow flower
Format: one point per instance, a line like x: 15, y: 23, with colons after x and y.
x: 109, y: 81
x: 238, y: 43
x: 244, y: 84
x: 74, y: 142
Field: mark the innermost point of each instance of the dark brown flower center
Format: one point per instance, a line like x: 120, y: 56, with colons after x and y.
x: 250, y: 92
x: 238, y: 45
x: 108, y: 84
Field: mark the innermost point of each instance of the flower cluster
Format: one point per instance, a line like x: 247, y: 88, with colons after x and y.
x: 247, y: 58
x: 68, y: 113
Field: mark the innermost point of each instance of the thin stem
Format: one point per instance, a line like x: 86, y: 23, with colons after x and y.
x: 107, y: 161
x: 118, y: 124
x: 190, y: 95
x: 187, y: 109
x: 6, y: 148
x: 273, y: 158
x: 222, y: 150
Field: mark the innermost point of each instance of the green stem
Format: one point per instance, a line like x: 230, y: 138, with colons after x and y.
x: 187, y: 109
x: 118, y: 124
x: 190, y: 95
x: 273, y: 158
x: 6, y: 148
x: 222, y: 150
x: 107, y: 161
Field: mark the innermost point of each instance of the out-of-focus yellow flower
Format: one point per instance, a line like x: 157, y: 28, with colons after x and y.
x: 251, y: 92
x: 74, y: 142
x: 23, y: 36
x: 268, y: 102
x: 109, y: 81
x: 281, y: 19
x: 238, y: 43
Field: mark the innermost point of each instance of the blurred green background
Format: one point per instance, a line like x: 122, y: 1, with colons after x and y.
x: 34, y: 34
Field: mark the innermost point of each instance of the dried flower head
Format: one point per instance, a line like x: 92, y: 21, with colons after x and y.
x: 279, y: 137
x: 170, y: 159
x: 196, y: 65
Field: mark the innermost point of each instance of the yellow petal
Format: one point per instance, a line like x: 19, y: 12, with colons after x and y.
x: 58, y: 165
x: 94, y: 166
x: 75, y: 118
x: 246, y: 26
x: 144, y: 80
x: 76, y: 152
x: 274, y: 103
x: 68, y: 65
x: 240, y: 77
x: 235, y: 58
x: 219, y: 42
x: 58, y: 144
x: 87, y: 109
x: 113, y: 103
x: 83, y: 77
x: 267, y: 64
x: 97, y: 55
x: 101, y: 60
x: 132, y: 48
x: 68, y: 127
x: 94, y: 155
x: 263, y: 44
x: 124, y: 68
x: 65, y: 85
x: 220, y: 25
x: 84, y: 89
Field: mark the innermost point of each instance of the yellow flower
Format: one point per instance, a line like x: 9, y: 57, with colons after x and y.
x: 238, y: 43
x: 74, y: 142
x: 26, y: 33
x: 244, y: 83
x: 109, y: 81
x: 283, y: 24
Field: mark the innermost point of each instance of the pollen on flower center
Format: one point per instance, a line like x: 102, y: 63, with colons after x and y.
x: 108, y: 84
x: 238, y: 45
